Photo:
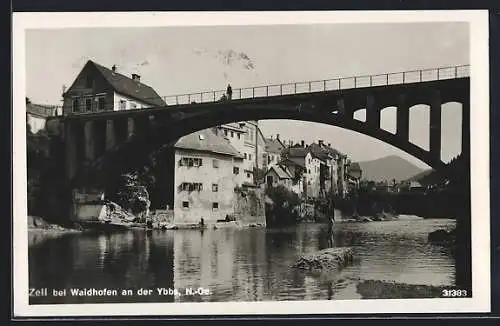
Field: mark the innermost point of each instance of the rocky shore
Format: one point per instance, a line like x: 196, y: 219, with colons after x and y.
x: 41, y: 225
x: 371, y: 289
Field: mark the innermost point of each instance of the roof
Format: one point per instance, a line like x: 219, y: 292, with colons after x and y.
x: 281, y: 171
x: 274, y: 146
x: 234, y: 126
x: 297, y: 152
x: 129, y: 87
x: 39, y: 110
x: 319, y: 152
x: 207, y: 141
x: 294, y: 161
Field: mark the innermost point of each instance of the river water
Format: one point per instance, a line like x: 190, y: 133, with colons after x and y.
x: 236, y: 264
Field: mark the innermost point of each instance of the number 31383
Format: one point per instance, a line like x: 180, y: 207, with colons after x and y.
x: 452, y: 293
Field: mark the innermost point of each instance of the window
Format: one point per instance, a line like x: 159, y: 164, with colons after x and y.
x: 232, y: 134
x: 248, y: 175
x: 309, y: 171
x: 189, y: 162
x: 246, y: 156
x: 123, y: 105
x: 190, y: 186
x: 236, y: 170
x: 88, y: 104
x: 101, y: 103
x: 239, y: 135
x: 215, y: 187
x: 225, y: 132
x: 185, y: 204
x: 76, y: 105
x: 215, y: 205
x: 215, y: 163
x: 249, y: 156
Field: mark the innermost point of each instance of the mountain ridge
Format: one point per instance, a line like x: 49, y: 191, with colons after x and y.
x: 389, y: 168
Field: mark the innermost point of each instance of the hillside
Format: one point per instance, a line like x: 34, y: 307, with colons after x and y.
x: 388, y: 168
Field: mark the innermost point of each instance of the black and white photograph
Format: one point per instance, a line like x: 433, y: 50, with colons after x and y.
x: 269, y: 163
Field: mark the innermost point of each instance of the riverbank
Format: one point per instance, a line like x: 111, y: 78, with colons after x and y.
x: 372, y: 289
x: 40, y: 225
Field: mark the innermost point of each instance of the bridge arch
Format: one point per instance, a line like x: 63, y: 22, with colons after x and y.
x: 167, y: 134
x: 154, y: 127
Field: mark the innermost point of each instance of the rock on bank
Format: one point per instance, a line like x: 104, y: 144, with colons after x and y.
x: 330, y: 258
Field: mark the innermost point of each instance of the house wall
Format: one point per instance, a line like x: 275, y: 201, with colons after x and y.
x: 312, y: 185
x: 36, y: 123
x: 80, y: 89
x: 200, y: 202
x: 128, y: 103
x: 90, y: 84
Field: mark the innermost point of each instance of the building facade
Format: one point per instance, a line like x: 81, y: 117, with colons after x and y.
x: 246, y: 137
x: 207, y: 171
x: 97, y: 88
x: 278, y: 175
x: 274, y: 147
x: 36, y: 115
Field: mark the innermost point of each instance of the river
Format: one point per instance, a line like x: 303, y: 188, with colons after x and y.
x: 236, y: 264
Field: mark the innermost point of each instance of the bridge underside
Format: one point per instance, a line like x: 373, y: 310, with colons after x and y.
x: 119, y: 141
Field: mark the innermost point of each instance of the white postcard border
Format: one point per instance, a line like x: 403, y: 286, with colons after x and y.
x: 480, y: 302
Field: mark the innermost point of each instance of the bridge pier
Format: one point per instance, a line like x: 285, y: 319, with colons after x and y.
x: 345, y: 109
x: 130, y: 127
x: 403, y: 118
x: 372, y: 112
x: 89, y: 140
x: 435, y: 125
x: 466, y: 124
x: 110, y: 134
x: 70, y: 149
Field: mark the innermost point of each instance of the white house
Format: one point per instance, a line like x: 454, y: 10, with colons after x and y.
x: 208, y: 169
x: 97, y: 88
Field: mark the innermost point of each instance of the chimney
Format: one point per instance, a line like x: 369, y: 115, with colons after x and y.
x: 302, y: 143
x: 113, y: 68
x: 136, y: 77
x: 320, y: 142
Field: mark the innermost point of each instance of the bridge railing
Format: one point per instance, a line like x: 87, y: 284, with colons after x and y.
x: 404, y: 77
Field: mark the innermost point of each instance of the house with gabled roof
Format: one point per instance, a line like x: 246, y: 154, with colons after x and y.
x: 97, y: 88
x: 207, y: 171
x: 273, y: 149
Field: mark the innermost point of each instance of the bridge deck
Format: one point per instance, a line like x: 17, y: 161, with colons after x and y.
x: 317, y: 86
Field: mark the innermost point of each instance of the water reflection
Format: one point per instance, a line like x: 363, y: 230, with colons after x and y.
x: 238, y: 265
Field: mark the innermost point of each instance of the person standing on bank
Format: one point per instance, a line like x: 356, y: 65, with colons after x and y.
x: 229, y: 92
x: 330, y: 232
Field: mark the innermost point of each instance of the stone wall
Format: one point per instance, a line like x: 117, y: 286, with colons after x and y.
x: 249, y: 207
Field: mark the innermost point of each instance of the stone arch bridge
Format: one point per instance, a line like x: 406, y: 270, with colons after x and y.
x: 98, y: 143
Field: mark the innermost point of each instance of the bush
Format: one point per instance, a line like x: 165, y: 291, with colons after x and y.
x: 283, y: 210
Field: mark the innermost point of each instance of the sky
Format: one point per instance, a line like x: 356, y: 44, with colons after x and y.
x: 179, y: 60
